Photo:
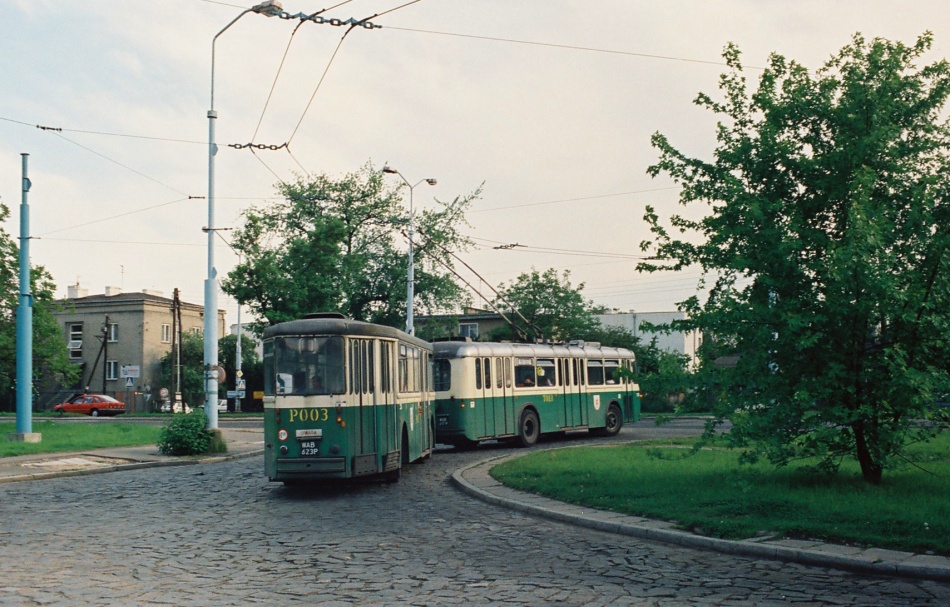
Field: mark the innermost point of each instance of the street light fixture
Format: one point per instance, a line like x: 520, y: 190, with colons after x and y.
x: 410, y: 279
x: 268, y: 8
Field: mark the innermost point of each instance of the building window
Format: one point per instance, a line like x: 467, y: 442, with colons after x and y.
x: 75, y: 340
x: 113, y: 332
x: 198, y: 330
x: 112, y: 370
x: 166, y: 334
x: 468, y: 329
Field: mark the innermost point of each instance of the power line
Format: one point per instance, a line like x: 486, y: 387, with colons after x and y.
x: 57, y: 129
x: 89, y: 223
x: 534, y: 204
x: 569, y: 47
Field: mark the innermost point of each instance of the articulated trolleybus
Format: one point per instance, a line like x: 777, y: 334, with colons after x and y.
x: 344, y: 399
x: 519, y: 391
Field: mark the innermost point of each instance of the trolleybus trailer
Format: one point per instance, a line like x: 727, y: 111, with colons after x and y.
x: 489, y: 390
x: 343, y: 399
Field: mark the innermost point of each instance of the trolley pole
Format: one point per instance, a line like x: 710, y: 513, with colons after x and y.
x: 24, y: 328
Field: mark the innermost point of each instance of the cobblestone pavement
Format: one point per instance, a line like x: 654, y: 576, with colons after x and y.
x: 222, y: 535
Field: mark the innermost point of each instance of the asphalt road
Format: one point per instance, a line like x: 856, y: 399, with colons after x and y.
x: 223, y: 535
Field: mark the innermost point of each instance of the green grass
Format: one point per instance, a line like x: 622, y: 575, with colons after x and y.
x: 58, y: 437
x: 711, y: 493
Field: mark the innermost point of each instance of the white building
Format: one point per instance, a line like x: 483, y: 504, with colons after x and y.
x: 677, y: 341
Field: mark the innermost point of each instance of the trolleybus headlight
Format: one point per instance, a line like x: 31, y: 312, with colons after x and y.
x: 282, y: 434
x: 334, y: 449
x: 283, y: 449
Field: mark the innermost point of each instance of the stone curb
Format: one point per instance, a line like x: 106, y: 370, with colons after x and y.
x: 489, y: 490
x: 210, y: 459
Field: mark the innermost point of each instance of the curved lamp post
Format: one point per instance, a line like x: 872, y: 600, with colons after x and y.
x: 410, y: 280
x: 268, y: 8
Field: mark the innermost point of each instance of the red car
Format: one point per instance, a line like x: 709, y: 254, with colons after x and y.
x: 91, y: 404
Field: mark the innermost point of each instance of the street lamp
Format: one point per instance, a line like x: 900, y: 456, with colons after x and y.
x: 268, y: 8
x: 410, y: 279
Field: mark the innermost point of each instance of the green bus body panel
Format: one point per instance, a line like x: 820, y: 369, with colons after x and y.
x: 558, y: 413
x: 361, y: 446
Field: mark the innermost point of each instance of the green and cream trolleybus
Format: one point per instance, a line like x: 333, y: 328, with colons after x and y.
x: 489, y: 390
x: 344, y: 399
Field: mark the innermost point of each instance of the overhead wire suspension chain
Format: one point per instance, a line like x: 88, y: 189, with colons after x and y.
x: 334, y: 21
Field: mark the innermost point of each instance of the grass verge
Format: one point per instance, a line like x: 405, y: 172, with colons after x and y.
x: 59, y: 437
x: 712, y: 494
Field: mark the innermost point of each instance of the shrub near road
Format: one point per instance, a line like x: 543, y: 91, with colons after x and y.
x: 711, y: 493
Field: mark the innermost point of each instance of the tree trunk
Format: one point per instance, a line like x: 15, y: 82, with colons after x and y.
x: 871, y: 470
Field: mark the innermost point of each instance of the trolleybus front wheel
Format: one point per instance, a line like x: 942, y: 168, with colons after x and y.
x: 529, y: 429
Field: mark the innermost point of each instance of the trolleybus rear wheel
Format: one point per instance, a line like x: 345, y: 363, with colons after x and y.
x: 529, y: 429
x: 612, y: 422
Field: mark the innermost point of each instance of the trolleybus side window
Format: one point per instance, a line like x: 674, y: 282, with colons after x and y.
x: 488, y: 374
x: 545, y: 371
x: 443, y: 375
x: 610, y: 371
x: 595, y: 372
x: 478, y: 374
x: 385, y: 378
x: 403, y: 369
x: 508, y: 373
x: 525, y: 373
x: 498, y: 373
x: 269, y: 374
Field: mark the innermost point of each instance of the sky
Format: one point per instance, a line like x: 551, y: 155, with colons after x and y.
x: 548, y: 105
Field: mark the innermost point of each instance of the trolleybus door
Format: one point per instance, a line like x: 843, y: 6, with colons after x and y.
x: 484, y: 419
x: 503, y: 404
x: 386, y: 403
x: 362, y: 379
x: 579, y: 395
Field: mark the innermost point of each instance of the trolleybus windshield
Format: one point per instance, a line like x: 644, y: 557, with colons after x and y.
x: 305, y: 366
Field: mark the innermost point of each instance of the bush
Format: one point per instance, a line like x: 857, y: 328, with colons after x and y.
x: 186, y: 434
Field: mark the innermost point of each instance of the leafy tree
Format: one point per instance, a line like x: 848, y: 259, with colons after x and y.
x: 331, y: 246
x: 252, y: 366
x: 825, y: 243
x: 192, y: 369
x: 51, y: 363
x: 552, y: 306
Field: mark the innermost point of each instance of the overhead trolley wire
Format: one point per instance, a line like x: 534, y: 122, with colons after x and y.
x: 569, y: 47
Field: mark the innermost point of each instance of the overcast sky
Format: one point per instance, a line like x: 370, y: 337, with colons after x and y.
x: 549, y: 103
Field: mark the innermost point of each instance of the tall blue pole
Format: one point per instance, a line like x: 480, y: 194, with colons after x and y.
x: 24, y: 321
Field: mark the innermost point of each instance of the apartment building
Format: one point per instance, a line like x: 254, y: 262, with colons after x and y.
x: 120, y: 338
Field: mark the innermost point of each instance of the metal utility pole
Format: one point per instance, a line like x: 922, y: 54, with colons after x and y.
x: 24, y: 328
x: 410, y: 270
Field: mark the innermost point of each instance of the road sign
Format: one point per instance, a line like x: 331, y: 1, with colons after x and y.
x: 241, y: 384
x: 130, y: 371
x: 241, y: 394
x: 163, y: 393
x: 128, y: 382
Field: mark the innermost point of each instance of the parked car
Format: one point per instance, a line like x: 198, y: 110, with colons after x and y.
x: 91, y: 404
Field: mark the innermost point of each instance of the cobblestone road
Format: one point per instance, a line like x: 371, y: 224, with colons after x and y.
x: 222, y: 535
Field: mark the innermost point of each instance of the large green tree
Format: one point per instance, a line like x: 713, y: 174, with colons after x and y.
x: 825, y: 245
x: 51, y: 365
x: 545, y: 305
x: 339, y: 245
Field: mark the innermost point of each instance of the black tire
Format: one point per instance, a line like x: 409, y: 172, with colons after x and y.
x: 529, y: 429
x: 613, y: 422
x: 94, y: 413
